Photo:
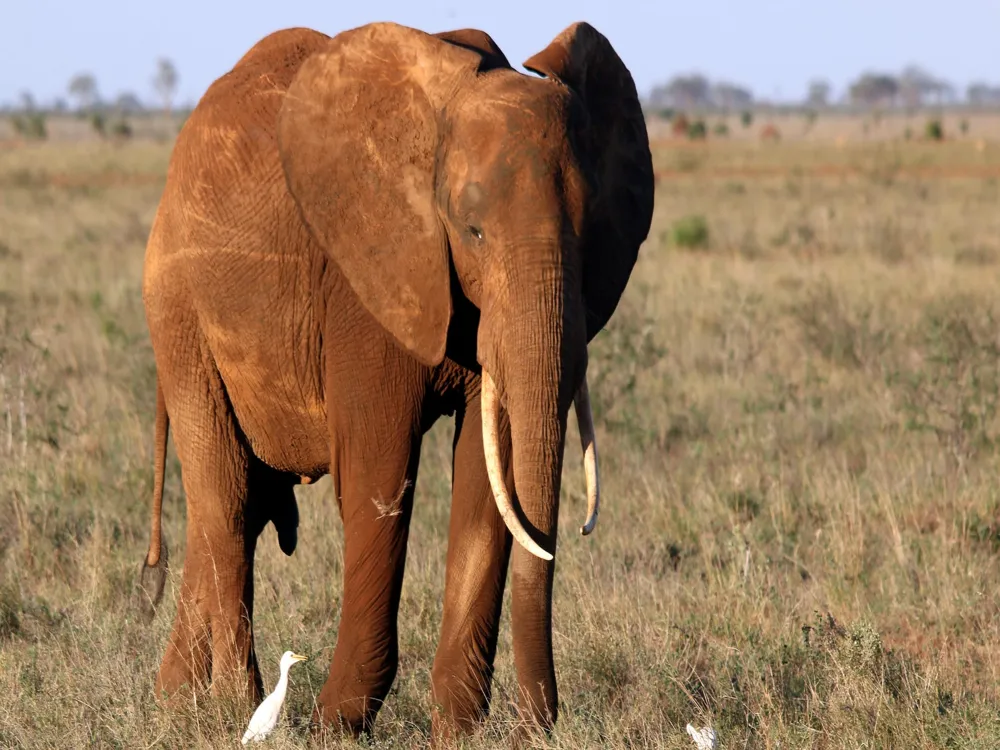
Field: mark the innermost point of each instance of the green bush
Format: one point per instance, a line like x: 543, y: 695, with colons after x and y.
x: 690, y: 232
x: 99, y: 124
x: 121, y: 130
x: 31, y: 126
x: 964, y: 126
x: 720, y: 129
x: 747, y: 118
x: 697, y: 130
x: 933, y: 130
x: 955, y: 392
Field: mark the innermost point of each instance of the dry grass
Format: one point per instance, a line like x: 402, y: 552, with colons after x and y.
x: 847, y: 127
x: 797, y: 419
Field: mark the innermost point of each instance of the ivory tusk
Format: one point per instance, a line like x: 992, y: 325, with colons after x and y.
x: 588, y: 441
x: 494, y: 468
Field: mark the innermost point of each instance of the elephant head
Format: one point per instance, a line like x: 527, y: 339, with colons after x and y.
x: 417, y: 158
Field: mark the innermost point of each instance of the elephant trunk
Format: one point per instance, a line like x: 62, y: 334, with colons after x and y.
x: 535, y: 376
x: 494, y: 465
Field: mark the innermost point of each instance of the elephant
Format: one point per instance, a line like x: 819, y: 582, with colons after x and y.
x: 359, y: 234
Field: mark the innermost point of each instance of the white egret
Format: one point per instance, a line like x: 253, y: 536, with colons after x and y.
x: 265, y: 718
x: 705, y: 738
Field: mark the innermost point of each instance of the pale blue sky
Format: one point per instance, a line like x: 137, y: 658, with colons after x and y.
x: 773, y: 46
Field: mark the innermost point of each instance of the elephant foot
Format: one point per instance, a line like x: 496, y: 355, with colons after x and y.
x: 179, y: 678
x: 460, y: 705
x: 327, y: 720
x: 353, y: 717
x: 185, y: 668
x: 210, y: 652
x: 446, y: 732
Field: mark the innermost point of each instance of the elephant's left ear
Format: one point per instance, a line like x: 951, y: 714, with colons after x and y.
x: 617, y: 150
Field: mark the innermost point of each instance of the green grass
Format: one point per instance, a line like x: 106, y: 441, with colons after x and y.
x: 799, y: 536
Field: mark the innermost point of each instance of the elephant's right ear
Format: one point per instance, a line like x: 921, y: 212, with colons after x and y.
x: 617, y: 146
x: 358, y: 134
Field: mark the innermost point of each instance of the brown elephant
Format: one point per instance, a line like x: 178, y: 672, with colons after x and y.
x: 357, y: 235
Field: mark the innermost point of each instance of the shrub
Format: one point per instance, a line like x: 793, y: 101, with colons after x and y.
x: 98, y: 123
x: 934, y: 130
x: 954, y: 393
x: 697, y: 130
x: 747, y: 118
x: 720, y: 129
x: 964, y: 126
x: 31, y: 126
x: 690, y: 232
x: 121, y: 130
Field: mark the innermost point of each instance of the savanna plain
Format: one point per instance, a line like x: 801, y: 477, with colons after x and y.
x: 798, y: 414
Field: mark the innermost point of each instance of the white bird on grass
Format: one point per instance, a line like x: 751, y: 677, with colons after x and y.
x: 705, y: 738
x: 265, y: 718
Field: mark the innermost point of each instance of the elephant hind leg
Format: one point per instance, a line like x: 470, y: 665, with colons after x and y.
x: 212, y: 634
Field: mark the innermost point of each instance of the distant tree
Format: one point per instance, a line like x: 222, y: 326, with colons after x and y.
x: 730, y: 96
x: 983, y: 94
x: 165, y: 82
x: 27, y: 101
x: 874, y: 89
x: 83, y: 88
x: 819, y: 93
x: 946, y: 93
x: 59, y: 105
x: 682, y: 92
x: 128, y: 103
x: 918, y: 87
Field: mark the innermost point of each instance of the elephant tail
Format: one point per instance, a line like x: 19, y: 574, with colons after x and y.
x: 154, y: 569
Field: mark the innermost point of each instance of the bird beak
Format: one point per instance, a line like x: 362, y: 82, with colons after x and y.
x: 299, y: 657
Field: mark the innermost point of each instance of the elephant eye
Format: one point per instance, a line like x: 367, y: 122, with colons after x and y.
x: 476, y: 232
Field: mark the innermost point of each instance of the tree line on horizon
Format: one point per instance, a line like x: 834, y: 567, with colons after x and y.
x: 109, y: 119
x: 913, y: 88
x: 83, y: 91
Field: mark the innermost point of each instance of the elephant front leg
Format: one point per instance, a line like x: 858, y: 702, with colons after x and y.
x: 478, y: 550
x: 376, y: 498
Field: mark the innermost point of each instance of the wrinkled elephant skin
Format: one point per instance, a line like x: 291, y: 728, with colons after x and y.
x: 359, y: 234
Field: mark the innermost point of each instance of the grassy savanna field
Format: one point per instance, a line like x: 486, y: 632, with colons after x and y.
x: 797, y: 417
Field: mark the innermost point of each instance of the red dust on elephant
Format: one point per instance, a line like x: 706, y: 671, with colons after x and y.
x: 358, y: 235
